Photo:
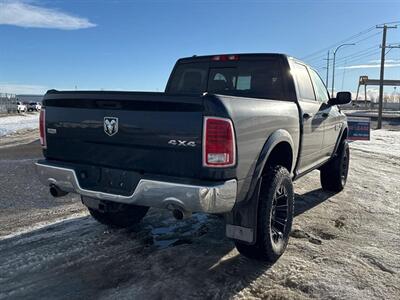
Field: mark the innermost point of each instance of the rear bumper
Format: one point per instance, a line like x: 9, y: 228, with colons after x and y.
x: 215, y: 198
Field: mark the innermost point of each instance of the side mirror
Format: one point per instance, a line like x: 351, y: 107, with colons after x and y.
x: 341, y: 98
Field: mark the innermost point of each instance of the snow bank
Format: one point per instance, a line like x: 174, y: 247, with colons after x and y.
x: 12, y: 124
x: 382, y: 141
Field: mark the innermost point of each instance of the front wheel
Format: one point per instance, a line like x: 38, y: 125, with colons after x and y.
x: 275, y: 217
x: 334, y: 174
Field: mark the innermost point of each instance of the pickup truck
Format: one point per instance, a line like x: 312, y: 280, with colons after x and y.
x: 228, y: 136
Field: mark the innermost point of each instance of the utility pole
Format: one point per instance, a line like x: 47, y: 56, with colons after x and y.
x: 327, y: 70
x: 382, y: 73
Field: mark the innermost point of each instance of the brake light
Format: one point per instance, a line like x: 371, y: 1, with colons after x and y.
x: 219, y: 149
x: 42, y: 128
x: 225, y: 58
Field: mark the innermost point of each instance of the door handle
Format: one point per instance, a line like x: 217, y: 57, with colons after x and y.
x: 307, y: 116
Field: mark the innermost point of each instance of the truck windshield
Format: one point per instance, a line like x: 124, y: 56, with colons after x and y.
x: 262, y: 79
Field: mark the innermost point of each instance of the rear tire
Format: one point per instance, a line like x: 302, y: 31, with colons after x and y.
x: 275, y: 217
x: 127, y: 216
x: 334, y: 174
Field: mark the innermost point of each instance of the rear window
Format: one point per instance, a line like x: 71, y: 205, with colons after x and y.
x: 189, y: 79
x: 262, y: 79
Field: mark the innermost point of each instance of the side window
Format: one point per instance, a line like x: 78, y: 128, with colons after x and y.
x: 319, y: 86
x: 243, y: 83
x: 304, y: 82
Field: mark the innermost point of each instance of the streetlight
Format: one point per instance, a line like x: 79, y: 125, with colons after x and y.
x: 334, y: 60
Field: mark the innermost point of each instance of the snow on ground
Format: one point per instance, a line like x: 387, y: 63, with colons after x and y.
x: 382, y: 141
x: 342, y: 246
x: 12, y: 124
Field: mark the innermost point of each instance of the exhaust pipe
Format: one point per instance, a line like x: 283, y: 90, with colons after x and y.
x: 56, y: 192
x: 180, y: 214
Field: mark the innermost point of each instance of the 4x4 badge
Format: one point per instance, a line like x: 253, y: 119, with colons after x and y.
x: 110, y: 125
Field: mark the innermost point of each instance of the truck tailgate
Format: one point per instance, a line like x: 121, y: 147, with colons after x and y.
x: 142, y: 132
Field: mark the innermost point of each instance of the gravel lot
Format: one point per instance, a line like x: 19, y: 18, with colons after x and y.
x: 343, y: 246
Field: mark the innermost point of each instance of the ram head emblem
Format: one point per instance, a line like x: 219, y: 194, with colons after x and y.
x: 110, y: 125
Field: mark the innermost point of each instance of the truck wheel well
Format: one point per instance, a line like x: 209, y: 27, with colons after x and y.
x: 281, y: 155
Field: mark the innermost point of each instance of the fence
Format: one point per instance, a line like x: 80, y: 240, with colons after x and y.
x: 8, y: 103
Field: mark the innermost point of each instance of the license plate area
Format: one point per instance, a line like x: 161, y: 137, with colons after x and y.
x: 107, y: 180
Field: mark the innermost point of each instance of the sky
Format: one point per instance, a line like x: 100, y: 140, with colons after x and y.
x: 133, y: 45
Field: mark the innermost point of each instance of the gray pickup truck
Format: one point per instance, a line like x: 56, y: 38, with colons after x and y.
x: 228, y: 136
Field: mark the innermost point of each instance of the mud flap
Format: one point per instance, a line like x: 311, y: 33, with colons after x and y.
x: 241, y: 222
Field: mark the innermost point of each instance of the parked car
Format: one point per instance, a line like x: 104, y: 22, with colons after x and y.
x: 228, y: 136
x: 34, y: 106
x: 21, y: 107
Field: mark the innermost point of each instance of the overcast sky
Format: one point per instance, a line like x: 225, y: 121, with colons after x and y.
x: 132, y: 45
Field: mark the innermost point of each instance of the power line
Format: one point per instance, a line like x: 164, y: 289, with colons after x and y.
x: 321, y: 57
x: 315, y: 58
x: 352, y: 58
x: 365, y: 31
x: 359, y: 52
x: 367, y: 38
x: 345, y: 71
x: 354, y: 61
x: 342, y: 41
x: 355, y: 56
x: 361, y: 57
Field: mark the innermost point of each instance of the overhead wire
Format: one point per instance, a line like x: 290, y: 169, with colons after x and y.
x: 312, y: 56
x: 353, y: 56
x: 339, y: 42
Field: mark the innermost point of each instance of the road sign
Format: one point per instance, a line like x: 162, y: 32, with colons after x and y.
x: 359, y: 128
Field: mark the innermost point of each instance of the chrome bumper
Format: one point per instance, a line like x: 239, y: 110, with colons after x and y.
x: 216, y: 198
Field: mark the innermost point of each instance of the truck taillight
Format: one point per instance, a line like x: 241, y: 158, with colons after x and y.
x: 42, y: 127
x: 233, y: 57
x: 219, y: 149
